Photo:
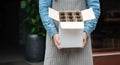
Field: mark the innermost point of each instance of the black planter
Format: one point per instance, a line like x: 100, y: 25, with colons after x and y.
x: 34, y: 48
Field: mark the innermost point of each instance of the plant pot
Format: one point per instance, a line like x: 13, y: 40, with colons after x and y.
x: 35, y: 48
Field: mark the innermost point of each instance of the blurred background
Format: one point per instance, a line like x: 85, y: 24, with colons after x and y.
x: 20, y: 18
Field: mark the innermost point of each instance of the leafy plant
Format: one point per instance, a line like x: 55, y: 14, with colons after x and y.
x: 31, y: 17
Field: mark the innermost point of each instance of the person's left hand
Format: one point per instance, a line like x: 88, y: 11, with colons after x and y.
x: 84, y: 38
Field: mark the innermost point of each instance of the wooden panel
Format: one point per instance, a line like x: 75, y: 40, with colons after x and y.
x: 107, y: 60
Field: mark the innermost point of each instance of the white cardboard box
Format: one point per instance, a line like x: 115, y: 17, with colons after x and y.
x: 71, y: 32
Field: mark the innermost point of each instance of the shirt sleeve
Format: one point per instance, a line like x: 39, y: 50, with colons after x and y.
x: 91, y: 24
x: 46, y: 20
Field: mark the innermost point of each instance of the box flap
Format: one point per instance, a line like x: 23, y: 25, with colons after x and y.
x: 54, y: 14
x: 72, y: 25
x: 88, y: 14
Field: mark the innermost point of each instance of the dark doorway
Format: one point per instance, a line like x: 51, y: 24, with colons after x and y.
x: 9, y: 25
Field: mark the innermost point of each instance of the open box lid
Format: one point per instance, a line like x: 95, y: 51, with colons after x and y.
x: 86, y: 14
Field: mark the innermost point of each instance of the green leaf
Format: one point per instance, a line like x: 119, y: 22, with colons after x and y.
x: 23, y: 4
x: 42, y: 34
x: 33, y: 30
x: 33, y: 21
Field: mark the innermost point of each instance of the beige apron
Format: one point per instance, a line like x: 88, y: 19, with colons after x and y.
x: 77, y: 56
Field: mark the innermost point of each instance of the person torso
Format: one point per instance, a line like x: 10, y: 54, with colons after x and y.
x: 68, y: 5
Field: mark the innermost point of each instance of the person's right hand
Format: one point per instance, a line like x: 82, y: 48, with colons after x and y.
x: 56, y: 40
